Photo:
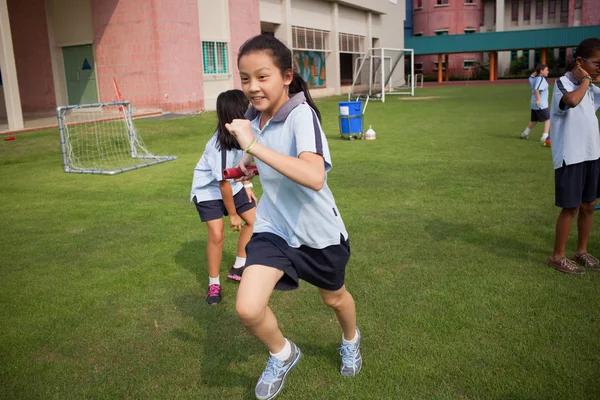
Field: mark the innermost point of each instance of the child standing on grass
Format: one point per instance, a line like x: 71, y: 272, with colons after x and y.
x: 215, y: 197
x: 299, y: 233
x: 539, y: 102
x: 575, y: 154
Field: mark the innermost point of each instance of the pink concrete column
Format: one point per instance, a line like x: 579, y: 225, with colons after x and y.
x: 244, y: 22
x: 153, y: 51
x: 32, y: 54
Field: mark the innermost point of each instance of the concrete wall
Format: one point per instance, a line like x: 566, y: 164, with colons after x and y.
x: 32, y: 54
x: 152, y: 49
x: 455, y: 18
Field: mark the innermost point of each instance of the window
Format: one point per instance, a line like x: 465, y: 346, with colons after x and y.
x: 468, y: 64
x: 418, y: 4
x: 537, y: 57
x: 309, y: 39
x: 564, y: 11
x: 214, y: 57
x: 441, y: 33
x: 578, y: 4
x: 514, y: 12
x: 551, y: 10
x: 469, y: 1
x: 435, y: 66
x: 469, y: 31
x: 513, y: 55
x: 418, y: 67
x: 527, y: 10
x: 352, y: 43
x: 539, y: 11
x: 418, y: 34
x: 442, y: 2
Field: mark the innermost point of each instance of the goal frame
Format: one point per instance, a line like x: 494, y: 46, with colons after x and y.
x: 126, y: 113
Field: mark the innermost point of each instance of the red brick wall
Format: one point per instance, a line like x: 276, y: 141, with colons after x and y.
x: 590, y: 12
x: 456, y: 17
x: 32, y: 54
x: 152, y: 48
x: 244, y: 20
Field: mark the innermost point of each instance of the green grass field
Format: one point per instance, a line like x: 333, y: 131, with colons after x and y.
x: 451, y: 219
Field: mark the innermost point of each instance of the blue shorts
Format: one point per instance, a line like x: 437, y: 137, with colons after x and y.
x: 215, y: 209
x: 576, y: 184
x: 324, y: 268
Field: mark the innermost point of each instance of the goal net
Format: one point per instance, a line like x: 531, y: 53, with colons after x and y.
x: 380, y: 72
x: 101, y: 139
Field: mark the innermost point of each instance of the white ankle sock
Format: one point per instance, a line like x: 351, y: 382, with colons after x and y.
x: 526, y: 131
x: 285, y: 353
x: 214, y: 281
x: 239, y: 262
x: 353, y: 341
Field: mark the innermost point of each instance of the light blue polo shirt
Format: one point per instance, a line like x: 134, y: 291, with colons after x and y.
x: 575, y: 133
x: 539, y: 83
x: 299, y: 215
x: 209, y: 171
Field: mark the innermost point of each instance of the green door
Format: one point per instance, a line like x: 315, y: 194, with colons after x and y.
x: 80, y: 74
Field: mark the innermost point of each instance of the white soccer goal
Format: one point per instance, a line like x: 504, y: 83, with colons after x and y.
x: 101, y: 139
x: 379, y: 72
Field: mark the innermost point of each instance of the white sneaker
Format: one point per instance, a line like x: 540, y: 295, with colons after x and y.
x: 543, y: 138
x: 524, y: 135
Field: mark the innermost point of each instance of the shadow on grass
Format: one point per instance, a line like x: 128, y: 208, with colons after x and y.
x: 225, y: 345
x: 192, y: 256
x: 506, y: 247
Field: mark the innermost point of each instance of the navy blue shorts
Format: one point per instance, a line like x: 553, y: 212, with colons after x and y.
x: 540, y: 115
x: 324, y: 268
x: 576, y: 184
x: 215, y: 209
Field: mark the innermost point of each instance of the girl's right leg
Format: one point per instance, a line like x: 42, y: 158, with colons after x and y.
x: 563, y: 228
x: 214, y: 254
x: 252, y: 308
x: 253, y: 311
x: 525, y: 134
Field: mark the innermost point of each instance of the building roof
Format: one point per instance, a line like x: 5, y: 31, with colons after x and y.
x: 502, y: 41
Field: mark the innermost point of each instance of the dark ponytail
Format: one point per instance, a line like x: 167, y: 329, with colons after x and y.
x: 282, y: 58
x: 299, y: 85
x: 231, y: 104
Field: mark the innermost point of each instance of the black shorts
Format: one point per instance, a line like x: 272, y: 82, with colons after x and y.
x: 540, y: 115
x: 324, y: 268
x: 576, y: 184
x: 215, y: 209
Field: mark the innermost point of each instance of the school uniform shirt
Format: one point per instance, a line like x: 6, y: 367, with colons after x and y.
x: 575, y: 133
x: 209, y: 171
x: 539, y: 83
x: 297, y: 214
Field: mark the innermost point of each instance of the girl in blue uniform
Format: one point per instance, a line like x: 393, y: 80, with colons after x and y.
x: 215, y: 197
x: 299, y: 233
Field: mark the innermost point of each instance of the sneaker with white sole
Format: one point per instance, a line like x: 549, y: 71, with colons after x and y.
x: 235, y: 274
x: 524, y: 135
x: 273, y: 377
x: 351, y: 358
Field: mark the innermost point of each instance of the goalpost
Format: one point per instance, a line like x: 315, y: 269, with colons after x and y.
x: 379, y: 73
x: 101, y: 139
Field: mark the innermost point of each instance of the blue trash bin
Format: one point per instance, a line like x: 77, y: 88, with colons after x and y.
x: 351, y: 119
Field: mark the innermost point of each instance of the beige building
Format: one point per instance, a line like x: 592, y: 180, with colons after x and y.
x: 326, y: 37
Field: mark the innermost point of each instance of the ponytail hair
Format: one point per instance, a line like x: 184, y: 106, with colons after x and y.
x: 299, y: 85
x: 231, y: 104
x: 282, y: 58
